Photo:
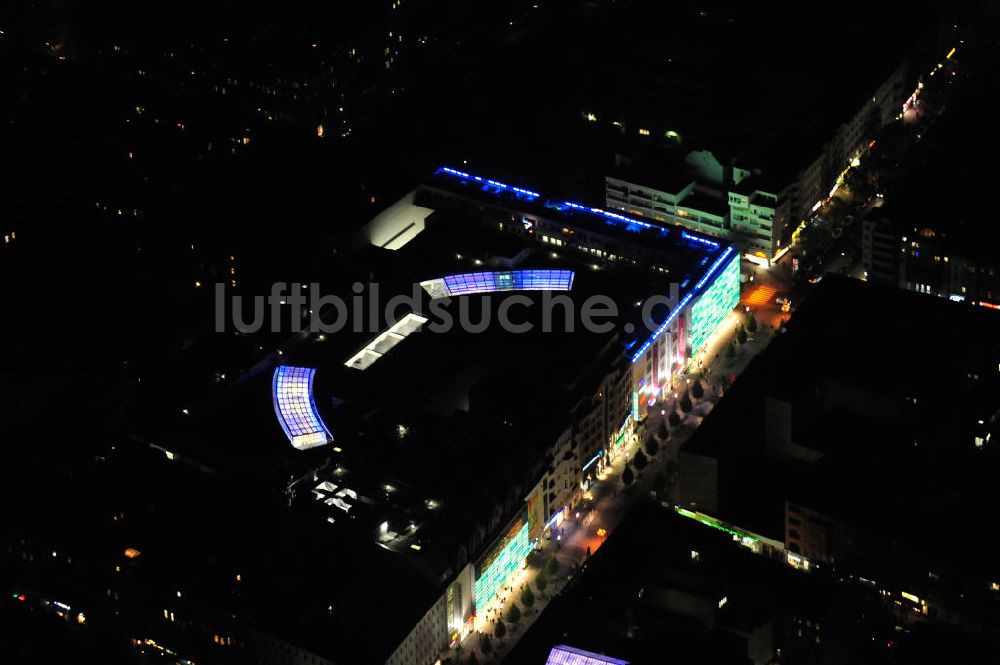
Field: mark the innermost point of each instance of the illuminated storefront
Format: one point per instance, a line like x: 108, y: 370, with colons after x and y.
x: 798, y: 562
x: 557, y: 519
x: 502, y: 562
x: 745, y: 539
x: 593, y: 460
x: 685, y: 330
x: 536, y: 511
x: 619, y: 440
x: 715, y: 304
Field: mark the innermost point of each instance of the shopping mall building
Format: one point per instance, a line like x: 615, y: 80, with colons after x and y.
x: 430, y: 463
x: 706, y: 271
x: 472, y: 236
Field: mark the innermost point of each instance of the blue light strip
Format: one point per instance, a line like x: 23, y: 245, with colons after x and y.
x: 715, y: 266
x: 511, y: 280
x: 704, y: 241
x: 554, y: 517
x: 630, y: 224
x: 621, y: 430
x: 681, y: 305
x: 611, y: 217
x: 663, y: 326
x: 615, y: 218
x: 592, y: 460
x: 486, y: 181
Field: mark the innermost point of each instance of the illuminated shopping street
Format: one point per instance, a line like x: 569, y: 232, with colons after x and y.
x: 609, y: 499
x: 437, y: 332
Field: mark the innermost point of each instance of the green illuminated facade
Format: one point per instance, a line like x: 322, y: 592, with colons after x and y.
x: 715, y: 304
x: 715, y: 524
x: 500, y: 564
x: 748, y: 540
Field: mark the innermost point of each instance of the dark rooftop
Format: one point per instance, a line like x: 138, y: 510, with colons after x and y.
x: 643, y: 589
x: 658, y: 170
x: 685, y: 254
x: 755, y: 82
x: 415, y: 430
x: 889, y: 390
x: 705, y: 203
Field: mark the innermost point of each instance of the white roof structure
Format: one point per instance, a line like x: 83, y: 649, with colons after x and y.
x: 384, y: 342
x: 396, y: 225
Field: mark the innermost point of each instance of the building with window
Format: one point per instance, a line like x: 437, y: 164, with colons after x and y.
x: 939, y: 245
x: 705, y: 196
x: 872, y: 457
x: 701, y: 273
x: 936, y: 262
x: 794, y: 122
x: 410, y: 466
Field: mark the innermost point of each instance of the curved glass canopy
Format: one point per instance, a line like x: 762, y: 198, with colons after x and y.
x: 499, y: 280
x: 292, y: 390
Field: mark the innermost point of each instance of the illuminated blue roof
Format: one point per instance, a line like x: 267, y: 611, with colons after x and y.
x: 292, y: 390
x: 511, y: 280
x: 694, y: 238
x: 491, y: 185
x: 619, y: 220
x: 564, y: 655
x: 683, y: 303
x: 695, y: 250
x: 629, y: 223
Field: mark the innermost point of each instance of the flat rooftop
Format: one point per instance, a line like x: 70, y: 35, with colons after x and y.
x: 646, y: 571
x: 431, y: 436
x: 684, y: 254
x: 705, y: 203
x: 662, y: 170
x: 889, y: 390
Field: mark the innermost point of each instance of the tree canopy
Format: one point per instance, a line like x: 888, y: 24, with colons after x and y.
x: 514, y: 613
x: 640, y: 460
x: 697, y: 389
